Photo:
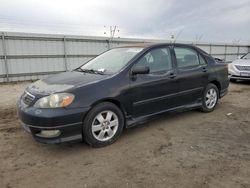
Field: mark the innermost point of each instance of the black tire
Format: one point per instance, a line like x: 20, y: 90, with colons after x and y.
x: 89, y: 137
x: 204, y: 107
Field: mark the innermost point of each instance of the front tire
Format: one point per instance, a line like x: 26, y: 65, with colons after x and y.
x: 210, y: 98
x: 103, y: 125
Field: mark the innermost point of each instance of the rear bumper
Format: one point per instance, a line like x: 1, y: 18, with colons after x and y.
x: 68, y: 122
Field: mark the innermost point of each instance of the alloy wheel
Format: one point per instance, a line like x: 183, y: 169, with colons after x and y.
x: 105, y: 125
x: 211, y: 98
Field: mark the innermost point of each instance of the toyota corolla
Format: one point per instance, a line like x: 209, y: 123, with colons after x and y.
x: 121, y: 88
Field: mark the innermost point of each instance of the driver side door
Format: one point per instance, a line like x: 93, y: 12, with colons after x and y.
x: 156, y: 91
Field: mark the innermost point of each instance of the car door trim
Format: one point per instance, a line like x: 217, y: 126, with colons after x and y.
x: 191, y: 68
x: 138, y: 103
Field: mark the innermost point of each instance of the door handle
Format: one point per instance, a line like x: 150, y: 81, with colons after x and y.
x: 204, y: 69
x: 172, y: 75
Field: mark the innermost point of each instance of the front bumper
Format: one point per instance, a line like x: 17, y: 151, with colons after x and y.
x: 235, y: 74
x: 238, y: 77
x: 67, y: 120
x: 68, y: 133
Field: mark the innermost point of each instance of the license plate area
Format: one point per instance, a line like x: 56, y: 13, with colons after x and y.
x: 246, y: 74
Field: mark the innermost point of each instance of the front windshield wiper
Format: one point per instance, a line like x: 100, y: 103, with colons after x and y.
x: 91, y: 71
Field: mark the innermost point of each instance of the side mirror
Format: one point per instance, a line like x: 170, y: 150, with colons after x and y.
x: 140, y: 70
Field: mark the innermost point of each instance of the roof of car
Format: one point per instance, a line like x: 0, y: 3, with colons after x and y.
x: 150, y: 44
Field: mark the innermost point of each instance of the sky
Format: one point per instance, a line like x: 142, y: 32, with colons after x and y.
x: 187, y: 20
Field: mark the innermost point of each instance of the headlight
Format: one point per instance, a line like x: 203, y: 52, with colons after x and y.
x: 232, y: 68
x: 57, y: 100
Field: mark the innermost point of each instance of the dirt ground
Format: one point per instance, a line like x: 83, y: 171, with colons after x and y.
x: 189, y: 149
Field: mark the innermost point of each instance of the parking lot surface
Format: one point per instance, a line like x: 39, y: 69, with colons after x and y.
x: 188, y: 149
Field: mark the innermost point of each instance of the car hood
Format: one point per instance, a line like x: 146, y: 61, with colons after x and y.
x: 64, y: 81
x: 242, y: 62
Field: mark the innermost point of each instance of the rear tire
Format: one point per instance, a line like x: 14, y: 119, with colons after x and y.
x: 103, y: 125
x: 210, y: 98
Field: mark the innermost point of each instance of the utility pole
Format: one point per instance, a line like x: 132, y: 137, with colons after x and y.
x: 112, y: 31
x: 177, y: 36
x: 198, y: 38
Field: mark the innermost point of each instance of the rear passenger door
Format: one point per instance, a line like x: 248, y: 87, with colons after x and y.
x: 192, y: 74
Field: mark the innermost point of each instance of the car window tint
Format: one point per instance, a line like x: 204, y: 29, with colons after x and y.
x: 186, y: 57
x: 158, y: 60
x: 202, y: 60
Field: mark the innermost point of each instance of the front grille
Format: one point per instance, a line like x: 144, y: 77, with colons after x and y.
x: 243, y: 68
x: 28, y: 98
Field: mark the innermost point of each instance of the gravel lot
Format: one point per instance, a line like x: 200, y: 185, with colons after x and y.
x: 189, y: 149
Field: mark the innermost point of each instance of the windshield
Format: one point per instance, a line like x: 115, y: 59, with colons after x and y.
x: 112, y: 61
x: 247, y: 56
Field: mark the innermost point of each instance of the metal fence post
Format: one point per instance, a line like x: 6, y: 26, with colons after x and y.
x: 108, y: 43
x: 5, y: 57
x: 210, y: 49
x: 65, y: 53
x: 225, y: 52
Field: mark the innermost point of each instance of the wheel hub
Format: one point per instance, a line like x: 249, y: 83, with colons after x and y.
x: 105, y: 125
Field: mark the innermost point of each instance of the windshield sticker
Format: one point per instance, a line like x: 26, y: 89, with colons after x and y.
x: 101, y: 70
x: 134, y: 50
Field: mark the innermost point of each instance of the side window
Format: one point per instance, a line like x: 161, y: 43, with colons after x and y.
x: 202, y: 60
x: 158, y: 60
x: 186, y: 57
